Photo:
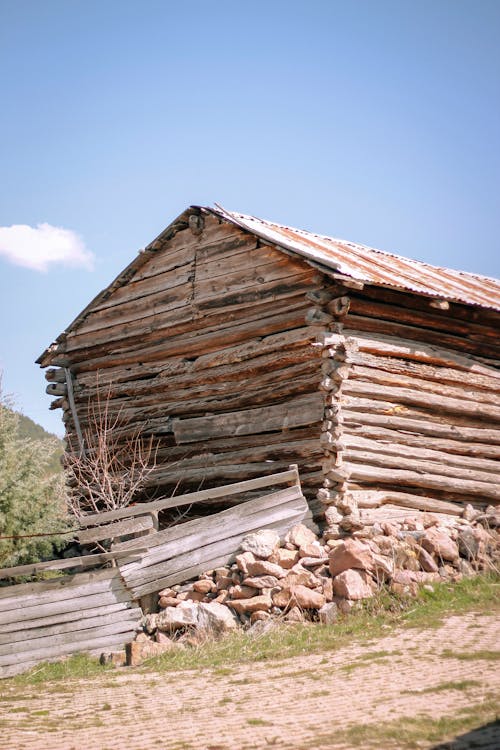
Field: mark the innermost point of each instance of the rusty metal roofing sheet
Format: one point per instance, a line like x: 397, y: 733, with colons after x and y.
x: 372, y: 266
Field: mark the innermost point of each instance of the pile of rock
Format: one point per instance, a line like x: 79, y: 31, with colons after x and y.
x: 305, y: 578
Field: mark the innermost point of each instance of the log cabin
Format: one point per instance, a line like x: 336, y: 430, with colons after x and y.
x: 242, y: 346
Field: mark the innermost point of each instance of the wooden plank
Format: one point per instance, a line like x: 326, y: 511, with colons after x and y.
x: 31, y: 639
x: 69, y: 562
x: 294, y: 413
x: 65, y: 582
x: 164, y: 554
x: 111, y: 531
x: 62, y: 590
x: 285, y: 477
x: 73, y: 642
x: 199, y: 525
x: 201, y: 560
x: 6, y: 629
x: 377, y: 498
x: 78, y: 604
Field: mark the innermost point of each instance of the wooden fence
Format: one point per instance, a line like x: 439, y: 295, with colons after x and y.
x: 99, y: 610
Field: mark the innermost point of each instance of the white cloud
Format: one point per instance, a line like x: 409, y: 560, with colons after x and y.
x: 38, y: 247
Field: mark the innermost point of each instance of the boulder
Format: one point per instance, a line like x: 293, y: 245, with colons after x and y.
x: 353, y: 584
x: 261, y: 543
x: 215, y: 618
x: 350, y: 554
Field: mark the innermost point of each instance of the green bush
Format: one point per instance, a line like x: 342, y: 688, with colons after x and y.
x: 32, y: 499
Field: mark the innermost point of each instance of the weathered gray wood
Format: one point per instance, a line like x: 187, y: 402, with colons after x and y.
x: 26, y: 613
x: 73, y: 642
x: 111, y: 531
x: 6, y: 629
x: 69, y: 562
x: 25, y: 640
x: 285, y: 477
x: 293, y: 413
x: 94, y: 577
x: 199, y: 526
x: 377, y: 498
x: 164, y: 556
x: 194, y: 563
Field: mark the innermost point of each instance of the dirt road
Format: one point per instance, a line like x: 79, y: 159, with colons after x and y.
x: 305, y: 702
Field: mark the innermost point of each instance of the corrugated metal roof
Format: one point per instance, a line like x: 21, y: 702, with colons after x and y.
x: 372, y: 266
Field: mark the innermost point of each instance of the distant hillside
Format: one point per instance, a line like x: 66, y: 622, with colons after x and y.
x: 27, y: 428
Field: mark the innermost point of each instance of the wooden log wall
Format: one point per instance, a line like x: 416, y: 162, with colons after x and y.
x: 208, y: 347
x: 43, y: 621
x: 413, y: 413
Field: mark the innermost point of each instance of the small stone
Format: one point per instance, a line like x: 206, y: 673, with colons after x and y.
x: 300, y: 535
x: 383, y: 567
x: 350, y: 554
x: 389, y: 529
x: 256, y: 603
x: 328, y: 613
x: 261, y: 543
x: 259, y: 616
x: 241, y: 592
x: 438, y: 543
x: 223, y: 583
x: 167, y: 592
x: 116, y: 658
x: 295, y: 614
x: 243, y: 560
x: 173, y: 618
x: 328, y: 589
x: 313, y: 562
x: 168, y: 601
x: 468, y: 544
x: 221, y: 573
x: 139, y: 651
x: 353, y: 584
x: 263, y: 567
x: 426, y: 561
x: 332, y: 515
x: 215, y: 618
x: 314, y: 549
x: 285, y: 558
x: 469, y: 512
x: 302, y: 578
x: 195, y: 596
x: 261, y: 582
x: 204, y: 586
x: 299, y: 596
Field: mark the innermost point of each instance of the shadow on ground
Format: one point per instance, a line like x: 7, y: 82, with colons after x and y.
x: 486, y: 737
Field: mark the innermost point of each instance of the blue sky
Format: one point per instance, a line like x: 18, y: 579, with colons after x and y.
x: 372, y: 120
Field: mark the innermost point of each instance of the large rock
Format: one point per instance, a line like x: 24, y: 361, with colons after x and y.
x: 438, y: 543
x: 255, y: 604
x: 215, y: 618
x: 140, y: 650
x: 350, y: 554
x: 182, y: 616
x: 265, y: 568
x: 300, y: 535
x: 353, y: 584
x: 261, y: 543
x: 204, y: 586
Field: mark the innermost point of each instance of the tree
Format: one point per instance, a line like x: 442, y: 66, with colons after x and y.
x: 111, y: 468
x: 32, y: 499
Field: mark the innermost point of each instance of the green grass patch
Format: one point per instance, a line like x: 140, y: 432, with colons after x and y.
x: 376, y: 617
x: 259, y: 723
x: 443, y: 687
x: 480, y: 655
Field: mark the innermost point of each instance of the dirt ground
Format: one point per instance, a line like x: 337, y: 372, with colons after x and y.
x: 297, y: 703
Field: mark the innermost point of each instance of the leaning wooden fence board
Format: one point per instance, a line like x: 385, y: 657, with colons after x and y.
x: 97, y: 610
x: 37, y: 615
